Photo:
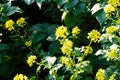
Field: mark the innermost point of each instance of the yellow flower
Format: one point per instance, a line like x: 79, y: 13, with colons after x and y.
x: 112, y: 54
x: 21, y: 22
x: 9, y: 25
x: 88, y: 50
x: 61, y: 32
x: 75, y: 31
x: 65, y: 60
x: 114, y: 3
x: 20, y: 77
x: 109, y: 8
x: 94, y: 36
x: 111, y: 29
x: 28, y: 43
x: 31, y: 59
x: 100, y: 75
x: 67, y: 47
x: 111, y: 77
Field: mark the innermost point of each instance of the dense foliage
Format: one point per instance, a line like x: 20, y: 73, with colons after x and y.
x: 59, y: 40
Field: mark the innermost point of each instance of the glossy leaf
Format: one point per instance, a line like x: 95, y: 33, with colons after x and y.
x: 100, y: 16
x: 12, y: 10
x: 28, y: 2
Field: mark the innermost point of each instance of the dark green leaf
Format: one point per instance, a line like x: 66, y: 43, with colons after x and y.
x: 70, y: 19
x: 52, y: 37
x: 60, y: 2
x: 54, y: 48
x: 51, y: 28
x: 37, y: 36
x: 100, y: 16
x: 79, y: 9
x: 12, y: 10
x: 40, y: 27
x: 71, y: 4
x: 7, y: 6
x: 4, y: 47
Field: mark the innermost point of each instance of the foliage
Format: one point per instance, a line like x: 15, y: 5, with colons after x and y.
x: 59, y: 40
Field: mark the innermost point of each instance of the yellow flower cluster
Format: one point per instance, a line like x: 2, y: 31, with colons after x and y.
x: 28, y: 43
x: 88, y: 50
x: 111, y: 77
x: 65, y: 60
x: 112, y: 54
x: 75, y: 31
x: 111, y: 29
x: 109, y: 8
x: 67, y: 47
x: 100, y: 75
x: 61, y: 32
x: 94, y: 35
x: 20, y: 77
x: 115, y: 3
x: 31, y: 59
x: 9, y: 25
x: 21, y: 22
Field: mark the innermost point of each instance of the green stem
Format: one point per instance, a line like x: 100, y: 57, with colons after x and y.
x: 90, y: 43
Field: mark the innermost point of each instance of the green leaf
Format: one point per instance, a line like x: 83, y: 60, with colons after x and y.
x: 38, y: 70
x: 4, y: 47
x: 52, y: 37
x: 60, y: 2
x: 32, y: 78
x: 70, y: 4
x: 37, y: 36
x: 40, y: 27
x: 70, y: 19
x: 99, y: 52
x: 96, y: 8
x: 54, y: 48
x: 60, y: 78
x: 79, y: 8
x: 39, y: 3
x: 100, y: 16
x: 6, y: 6
x: 12, y: 10
x: 57, y: 66
x: 51, y: 28
x: 38, y: 32
x: 78, y: 51
x: 29, y: 2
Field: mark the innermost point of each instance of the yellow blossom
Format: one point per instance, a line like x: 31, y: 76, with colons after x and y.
x: 20, y: 77
x: 9, y: 25
x: 111, y: 29
x: 75, y: 31
x: 112, y: 54
x: 94, y: 35
x: 31, y: 59
x: 66, y: 61
x: 28, y: 43
x: 100, y: 75
x: 88, y: 50
x: 111, y: 77
x: 109, y: 8
x: 61, y: 32
x: 114, y: 3
x: 67, y: 47
x: 21, y: 22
